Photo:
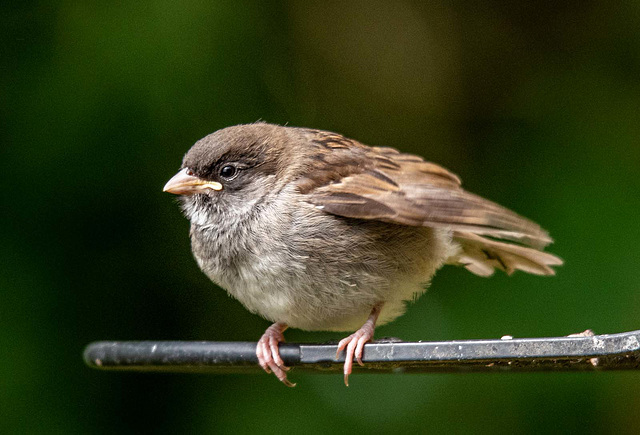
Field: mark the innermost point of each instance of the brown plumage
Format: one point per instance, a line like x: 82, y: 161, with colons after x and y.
x: 352, y: 180
x: 313, y: 230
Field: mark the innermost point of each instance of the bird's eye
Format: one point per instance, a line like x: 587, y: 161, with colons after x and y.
x: 228, y: 172
x: 190, y: 172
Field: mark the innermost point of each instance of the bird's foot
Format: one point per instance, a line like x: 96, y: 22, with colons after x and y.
x: 354, y: 344
x: 268, y: 352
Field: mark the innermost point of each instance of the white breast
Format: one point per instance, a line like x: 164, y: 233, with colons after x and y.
x: 315, y: 271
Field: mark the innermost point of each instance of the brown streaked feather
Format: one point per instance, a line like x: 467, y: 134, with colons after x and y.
x: 482, y: 256
x: 353, y: 180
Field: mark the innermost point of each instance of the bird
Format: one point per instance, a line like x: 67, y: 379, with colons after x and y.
x: 312, y: 230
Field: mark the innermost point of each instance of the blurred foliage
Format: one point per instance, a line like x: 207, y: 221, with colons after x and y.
x: 534, y: 104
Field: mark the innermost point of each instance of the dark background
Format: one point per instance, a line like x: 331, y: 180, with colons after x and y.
x: 534, y: 105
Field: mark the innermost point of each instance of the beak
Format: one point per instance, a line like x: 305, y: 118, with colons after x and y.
x: 185, y: 184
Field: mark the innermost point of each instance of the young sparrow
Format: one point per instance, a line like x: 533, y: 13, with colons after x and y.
x: 312, y: 230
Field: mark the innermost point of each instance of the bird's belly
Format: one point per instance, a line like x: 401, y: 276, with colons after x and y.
x: 326, y: 306
x: 298, y: 299
x: 326, y: 278
x: 311, y: 297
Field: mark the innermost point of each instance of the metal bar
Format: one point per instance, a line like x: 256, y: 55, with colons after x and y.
x: 574, y: 353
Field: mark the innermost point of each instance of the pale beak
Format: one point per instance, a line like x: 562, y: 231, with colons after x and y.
x: 185, y: 184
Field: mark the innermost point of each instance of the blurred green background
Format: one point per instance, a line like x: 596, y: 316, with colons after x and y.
x: 535, y: 105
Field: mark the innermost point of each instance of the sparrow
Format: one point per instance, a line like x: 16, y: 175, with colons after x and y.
x: 312, y: 230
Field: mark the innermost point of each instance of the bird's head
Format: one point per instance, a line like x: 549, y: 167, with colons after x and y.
x: 229, y: 171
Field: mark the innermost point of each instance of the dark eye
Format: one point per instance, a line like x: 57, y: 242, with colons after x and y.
x: 228, y: 172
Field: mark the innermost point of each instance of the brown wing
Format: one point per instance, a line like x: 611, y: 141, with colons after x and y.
x: 353, y: 180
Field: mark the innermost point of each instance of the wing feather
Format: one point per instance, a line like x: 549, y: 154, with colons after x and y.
x: 383, y: 184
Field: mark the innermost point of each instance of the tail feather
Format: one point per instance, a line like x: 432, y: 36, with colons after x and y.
x: 482, y: 256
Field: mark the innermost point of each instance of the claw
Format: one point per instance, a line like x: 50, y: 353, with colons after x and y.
x: 354, y: 344
x: 268, y: 353
x: 288, y: 383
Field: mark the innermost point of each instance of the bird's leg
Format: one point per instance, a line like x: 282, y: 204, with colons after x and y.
x: 355, y: 342
x: 268, y: 352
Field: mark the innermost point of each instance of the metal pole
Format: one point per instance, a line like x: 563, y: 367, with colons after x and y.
x: 573, y: 353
